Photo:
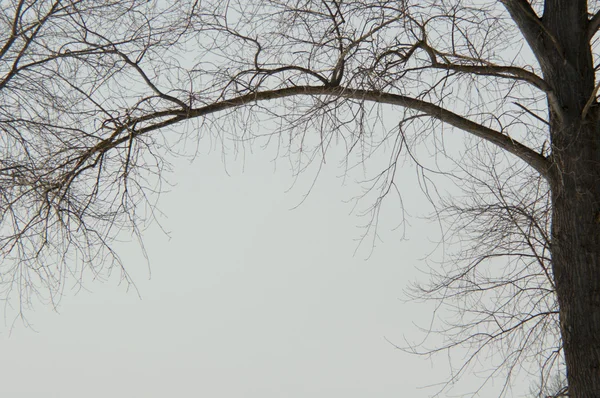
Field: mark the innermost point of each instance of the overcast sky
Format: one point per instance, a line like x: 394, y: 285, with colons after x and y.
x: 248, y: 297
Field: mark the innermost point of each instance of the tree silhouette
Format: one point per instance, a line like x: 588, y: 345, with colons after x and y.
x: 94, y: 93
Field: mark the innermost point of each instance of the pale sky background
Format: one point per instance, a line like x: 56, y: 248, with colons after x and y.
x: 247, y: 298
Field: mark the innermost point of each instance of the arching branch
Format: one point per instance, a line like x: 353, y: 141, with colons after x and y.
x: 534, y: 159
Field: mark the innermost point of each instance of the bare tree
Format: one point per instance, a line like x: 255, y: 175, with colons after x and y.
x: 65, y: 87
x: 94, y: 95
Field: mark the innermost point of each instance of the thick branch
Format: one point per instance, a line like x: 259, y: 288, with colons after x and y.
x: 532, y: 29
x: 510, y: 72
x: 526, y: 19
x: 534, y: 159
x: 593, y: 25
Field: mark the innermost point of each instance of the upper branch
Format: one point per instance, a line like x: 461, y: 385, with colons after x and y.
x: 509, y: 72
x: 532, y: 28
x: 168, y: 118
x: 593, y: 25
x: 480, y: 66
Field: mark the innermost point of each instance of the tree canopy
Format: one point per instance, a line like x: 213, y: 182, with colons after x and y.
x: 94, y: 96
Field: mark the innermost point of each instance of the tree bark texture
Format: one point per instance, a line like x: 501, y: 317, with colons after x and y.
x: 575, y: 181
x: 576, y: 253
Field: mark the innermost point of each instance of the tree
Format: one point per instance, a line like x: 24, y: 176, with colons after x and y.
x: 92, y: 92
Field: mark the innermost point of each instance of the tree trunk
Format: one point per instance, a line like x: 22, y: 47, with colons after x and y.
x: 576, y: 256
x: 575, y: 183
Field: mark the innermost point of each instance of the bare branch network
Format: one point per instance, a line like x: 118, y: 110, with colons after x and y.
x: 96, y: 95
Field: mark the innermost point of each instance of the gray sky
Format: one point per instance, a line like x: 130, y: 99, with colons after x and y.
x: 247, y: 298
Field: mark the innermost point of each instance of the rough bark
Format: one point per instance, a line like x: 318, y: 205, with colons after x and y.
x: 567, y: 67
x: 576, y: 254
